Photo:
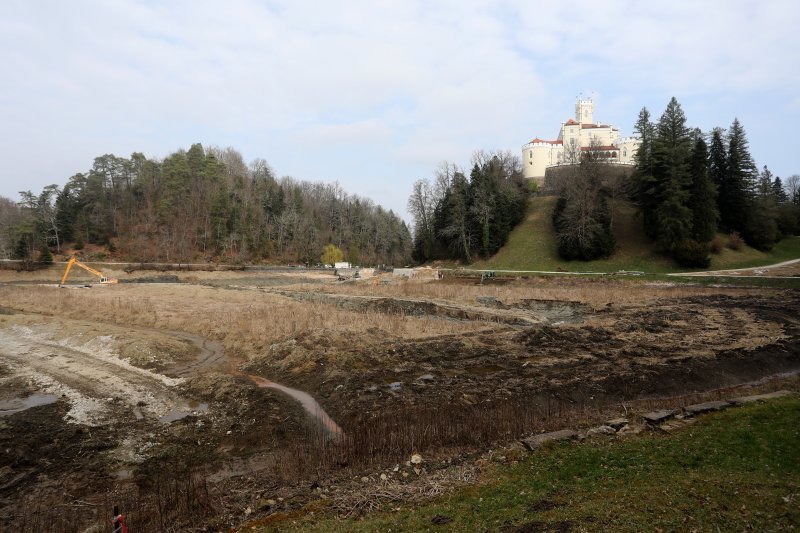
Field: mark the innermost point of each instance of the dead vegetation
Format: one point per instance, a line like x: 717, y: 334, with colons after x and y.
x: 446, y: 369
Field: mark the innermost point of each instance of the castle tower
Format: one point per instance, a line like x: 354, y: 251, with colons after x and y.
x: 584, y: 111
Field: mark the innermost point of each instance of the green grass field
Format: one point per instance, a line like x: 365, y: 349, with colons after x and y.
x: 731, y: 471
x: 532, y: 246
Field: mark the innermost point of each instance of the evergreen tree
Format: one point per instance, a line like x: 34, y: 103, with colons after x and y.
x: 703, y: 195
x: 718, y: 168
x: 644, y: 182
x: 762, y: 230
x: 778, y: 191
x: 671, y: 170
x: 738, y: 182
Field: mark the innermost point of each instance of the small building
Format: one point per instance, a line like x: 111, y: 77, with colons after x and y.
x: 342, y: 264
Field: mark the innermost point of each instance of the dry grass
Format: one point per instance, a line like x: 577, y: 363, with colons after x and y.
x: 595, y: 293
x: 245, y: 321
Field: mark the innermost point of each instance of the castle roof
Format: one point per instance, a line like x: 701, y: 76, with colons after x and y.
x: 570, y: 122
x: 538, y: 140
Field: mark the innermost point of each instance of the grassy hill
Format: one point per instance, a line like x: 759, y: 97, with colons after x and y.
x: 532, y: 246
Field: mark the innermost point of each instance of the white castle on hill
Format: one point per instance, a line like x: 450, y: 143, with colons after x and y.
x: 577, y: 135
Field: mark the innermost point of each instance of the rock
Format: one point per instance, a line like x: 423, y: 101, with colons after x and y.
x: 538, y: 440
x: 657, y: 417
x: 384, y: 477
x: 629, y: 430
x: 425, y: 377
x: 248, y: 511
x: 364, y: 479
x: 706, y: 407
x: 266, y: 504
x: 761, y: 397
x: 395, y: 386
x: 416, y: 459
x: 601, y: 430
x: 372, y: 388
x: 617, y: 423
x: 441, y: 519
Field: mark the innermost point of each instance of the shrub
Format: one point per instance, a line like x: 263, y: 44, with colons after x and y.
x: 735, y: 241
x: 716, y: 245
x: 45, y: 256
x: 690, y: 253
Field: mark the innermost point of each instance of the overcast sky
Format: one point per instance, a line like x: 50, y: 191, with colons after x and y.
x: 375, y: 94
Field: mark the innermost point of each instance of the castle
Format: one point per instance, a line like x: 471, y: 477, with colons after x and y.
x: 576, y: 136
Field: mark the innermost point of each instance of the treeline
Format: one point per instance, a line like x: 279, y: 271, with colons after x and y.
x: 200, y: 204
x: 460, y: 217
x: 689, y: 186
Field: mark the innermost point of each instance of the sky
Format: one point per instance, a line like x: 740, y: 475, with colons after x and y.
x: 376, y: 94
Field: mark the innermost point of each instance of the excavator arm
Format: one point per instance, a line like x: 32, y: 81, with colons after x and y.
x: 74, y: 261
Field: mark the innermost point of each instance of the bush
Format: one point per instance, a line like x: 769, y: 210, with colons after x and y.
x: 735, y: 241
x: 45, y: 256
x: 690, y: 253
x: 716, y: 245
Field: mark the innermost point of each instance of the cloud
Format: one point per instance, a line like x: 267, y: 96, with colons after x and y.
x: 411, y: 82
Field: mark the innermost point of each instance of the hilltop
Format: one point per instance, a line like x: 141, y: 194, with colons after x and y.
x: 532, y: 246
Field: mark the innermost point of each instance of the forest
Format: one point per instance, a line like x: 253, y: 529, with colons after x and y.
x: 199, y: 205
x: 695, y: 193
x: 690, y: 187
x: 456, y: 217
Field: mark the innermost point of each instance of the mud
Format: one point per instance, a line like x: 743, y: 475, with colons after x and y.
x: 94, y: 409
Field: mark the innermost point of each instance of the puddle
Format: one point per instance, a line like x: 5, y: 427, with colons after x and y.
x: 484, y: 370
x: 308, y: 403
x: 188, y: 409
x: 15, y: 405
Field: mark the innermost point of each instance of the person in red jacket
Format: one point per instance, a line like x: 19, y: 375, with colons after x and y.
x: 119, y: 522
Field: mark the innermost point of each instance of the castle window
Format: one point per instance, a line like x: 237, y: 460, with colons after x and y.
x: 625, y: 152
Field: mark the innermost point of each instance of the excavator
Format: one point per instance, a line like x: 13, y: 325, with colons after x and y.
x: 105, y: 280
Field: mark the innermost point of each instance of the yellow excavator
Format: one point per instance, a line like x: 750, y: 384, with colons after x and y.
x: 105, y: 280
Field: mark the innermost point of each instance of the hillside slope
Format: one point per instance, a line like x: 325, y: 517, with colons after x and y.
x: 532, y: 246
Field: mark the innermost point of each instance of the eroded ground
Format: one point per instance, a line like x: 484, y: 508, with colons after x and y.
x: 108, y: 392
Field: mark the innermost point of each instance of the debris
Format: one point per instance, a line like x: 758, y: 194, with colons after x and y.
x: 416, y: 459
x: 657, y: 417
x: 761, y: 397
x: 601, y: 430
x: 441, y: 519
x: 706, y: 407
x: 532, y: 443
x: 617, y: 423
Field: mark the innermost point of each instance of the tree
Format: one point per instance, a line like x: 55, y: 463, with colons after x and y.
x: 778, y: 191
x: 671, y: 158
x: 644, y: 182
x: 762, y: 230
x: 331, y: 254
x: 738, y: 183
x: 421, y: 205
x: 582, y: 218
x: 454, y: 216
x: 703, y: 195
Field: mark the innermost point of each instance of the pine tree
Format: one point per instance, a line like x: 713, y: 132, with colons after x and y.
x: 644, y: 183
x: 738, y: 183
x: 718, y: 168
x: 703, y: 195
x: 671, y: 157
x: 762, y: 228
x: 779, y: 191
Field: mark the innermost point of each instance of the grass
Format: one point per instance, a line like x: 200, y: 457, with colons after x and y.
x: 735, y: 470
x: 532, y: 246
